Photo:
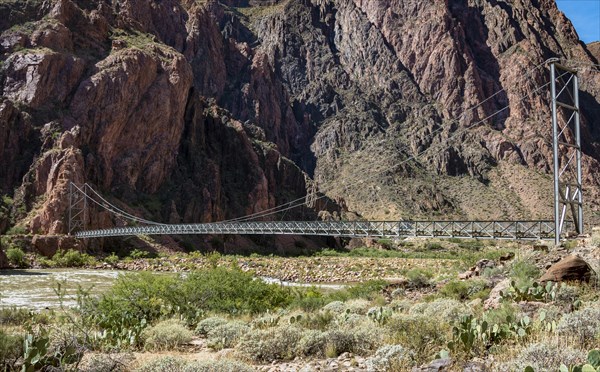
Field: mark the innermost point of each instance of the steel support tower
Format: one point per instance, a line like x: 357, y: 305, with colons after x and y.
x: 566, y: 148
x: 77, y: 208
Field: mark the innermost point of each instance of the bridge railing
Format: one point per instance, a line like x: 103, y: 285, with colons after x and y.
x: 515, y: 230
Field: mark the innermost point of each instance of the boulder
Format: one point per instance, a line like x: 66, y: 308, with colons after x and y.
x: 570, y: 268
x: 493, y: 301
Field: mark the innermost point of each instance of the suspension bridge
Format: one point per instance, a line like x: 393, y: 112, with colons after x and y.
x: 567, y: 176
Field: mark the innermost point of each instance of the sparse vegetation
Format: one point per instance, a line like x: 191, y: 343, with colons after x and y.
x: 264, y: 323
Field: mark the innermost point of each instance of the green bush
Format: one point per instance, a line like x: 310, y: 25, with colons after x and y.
x: 368, y: 290
x: 309, y: 299
x: 166, y: 335
x: 113, y: 259
x: 137, y: 254
x: 11, y: 348
x: 232, y: 291
x: 133, y: 301
x: 16, y: 257
x: 419, y: 278
x: 72, y: 258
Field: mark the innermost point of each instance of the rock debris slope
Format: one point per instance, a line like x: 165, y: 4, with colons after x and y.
x: 184, y: 110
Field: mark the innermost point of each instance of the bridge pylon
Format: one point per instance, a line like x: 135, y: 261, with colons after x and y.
x: 566, y: 148
x: 77, y: 208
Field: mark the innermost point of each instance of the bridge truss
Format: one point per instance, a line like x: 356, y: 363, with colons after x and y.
x: 513, y: 230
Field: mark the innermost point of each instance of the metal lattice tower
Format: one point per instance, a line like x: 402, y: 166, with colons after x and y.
x: 77, y: 208
x: 566, y: 145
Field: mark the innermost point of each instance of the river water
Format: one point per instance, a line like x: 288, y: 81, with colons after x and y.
x: 36, y: 289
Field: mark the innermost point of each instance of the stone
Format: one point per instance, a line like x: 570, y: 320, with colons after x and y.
x: 466, y: 275
x: 570, y: 268
x: 507, y: 257
x: 437, y: 365
x: 493, y: 300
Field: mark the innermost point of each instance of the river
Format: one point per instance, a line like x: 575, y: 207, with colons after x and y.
x: 36, y: 288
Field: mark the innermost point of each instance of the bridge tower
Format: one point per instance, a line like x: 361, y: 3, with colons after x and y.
x: 77, y: 208
x: 566, y: 146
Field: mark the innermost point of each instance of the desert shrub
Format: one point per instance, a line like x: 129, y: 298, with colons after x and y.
x: 11, y: 348
x: 309, y: 299
x: 166, y: 335
x: 137, y: 254
x: 391, y: 358
x: 336, y: 307
x: 318, y: 320
x: 232, y: 291
x: 419, y: 334
x: 163, y: 364
x: 15, y: 316
x: 72, y: 258
x: 208, y: 324
x: 444, y: 309
x: 16, y: 257
x: 523, y: 272
x: 433, y: 246
x: 117, y: 362
x: 567, y: 293
x: 133, y: 301
x: 339, y: 341
x: 112, y: 259
x: 358, y: 306
x: 266, y: 321
x: 368, y: 290
x: 547, y: 357
x: 222, y: 365
x: 312, y: 343
x: 419, y: 278
x: 463, y: 290
x: 367, y: 338
x: 499, y: 315
x: 350, y: 320
x: 270, y: 344
x: 401, y: 305
x: 583, y: 324
x: 226, y: 335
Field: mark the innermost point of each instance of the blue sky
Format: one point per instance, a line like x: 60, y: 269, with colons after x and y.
x: 585, y: 15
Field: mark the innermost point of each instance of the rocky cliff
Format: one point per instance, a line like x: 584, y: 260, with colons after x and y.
x: 184, y: 110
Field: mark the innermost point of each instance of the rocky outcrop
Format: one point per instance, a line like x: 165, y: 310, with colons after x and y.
x: 185, y: 111
x: 570, y: 268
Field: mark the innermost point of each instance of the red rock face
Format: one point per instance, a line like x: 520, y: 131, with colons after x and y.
x: 187, y: 111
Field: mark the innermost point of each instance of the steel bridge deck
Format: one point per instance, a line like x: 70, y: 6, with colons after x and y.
x: 513, y: 230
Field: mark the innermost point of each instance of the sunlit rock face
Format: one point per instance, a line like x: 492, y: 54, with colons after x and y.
x: 187, y: 111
